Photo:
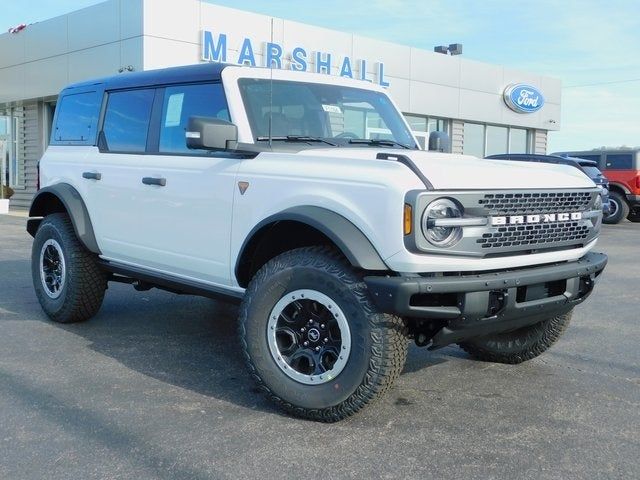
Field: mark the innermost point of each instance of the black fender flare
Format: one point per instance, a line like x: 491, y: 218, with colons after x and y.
x: 74, y: 206
x: 349, y: 239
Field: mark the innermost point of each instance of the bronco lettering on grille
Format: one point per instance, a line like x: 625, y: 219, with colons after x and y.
x: 533, y: 219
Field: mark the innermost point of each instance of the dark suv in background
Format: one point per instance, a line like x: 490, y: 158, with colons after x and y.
x: 622, y: 168
x: 588, y: 167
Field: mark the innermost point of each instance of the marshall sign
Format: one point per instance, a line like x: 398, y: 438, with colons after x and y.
x: 220, y: 48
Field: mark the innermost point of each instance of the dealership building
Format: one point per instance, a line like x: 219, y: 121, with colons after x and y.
x: 473, y: 102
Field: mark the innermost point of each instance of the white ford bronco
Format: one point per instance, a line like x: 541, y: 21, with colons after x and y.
x: 305, y: 199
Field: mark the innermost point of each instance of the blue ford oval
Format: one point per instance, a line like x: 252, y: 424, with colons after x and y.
x: 523, y: 98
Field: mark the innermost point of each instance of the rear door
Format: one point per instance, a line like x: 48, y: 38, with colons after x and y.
x: 161, y: 206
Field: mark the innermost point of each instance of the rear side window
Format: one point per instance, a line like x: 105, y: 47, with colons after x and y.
x: 126, y: 121
x: 182, y: 102
x: 77, y: 118
x: 620, y: 161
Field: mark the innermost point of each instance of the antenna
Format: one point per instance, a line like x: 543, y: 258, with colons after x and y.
x: 271, y: 93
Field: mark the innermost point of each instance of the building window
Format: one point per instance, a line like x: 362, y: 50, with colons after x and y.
x: 5, y: 137
x: 473, y: 139
x: 421, y: 127
x: 12, y: 163
x: 518, y: 140
x: 126, y: 122
x: 497, y: 140
x: 481, y: 140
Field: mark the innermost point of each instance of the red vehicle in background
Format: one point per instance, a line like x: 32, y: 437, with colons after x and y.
x: 622, y: 168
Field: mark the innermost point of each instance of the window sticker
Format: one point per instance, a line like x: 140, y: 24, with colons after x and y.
x: 174, y: 110
x: 332, y: 109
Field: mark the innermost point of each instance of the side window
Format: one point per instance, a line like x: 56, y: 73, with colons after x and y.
x: 620, y: 161
x: 182, y: 102
x: 77, y: 118
x: 126, y: 121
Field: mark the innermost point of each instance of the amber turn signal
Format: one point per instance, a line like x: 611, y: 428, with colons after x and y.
x: 408, y: 219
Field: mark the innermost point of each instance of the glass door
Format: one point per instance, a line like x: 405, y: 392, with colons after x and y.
x: 5, y: 140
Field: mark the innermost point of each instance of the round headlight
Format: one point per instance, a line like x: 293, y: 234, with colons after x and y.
x: 438, y: 235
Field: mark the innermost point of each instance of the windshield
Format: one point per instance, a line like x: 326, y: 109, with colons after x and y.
x: 593, y: 172
x: 339, y: 115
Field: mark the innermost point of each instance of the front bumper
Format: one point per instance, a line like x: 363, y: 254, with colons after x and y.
x: 476, y: 305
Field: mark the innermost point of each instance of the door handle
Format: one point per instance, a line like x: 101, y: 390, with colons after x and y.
x: 92, y: 175
x: 161, y: 182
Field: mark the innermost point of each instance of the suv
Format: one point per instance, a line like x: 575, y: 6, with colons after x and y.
x: 305, y: 199
x: 588, y: 167
x: 622, y: 168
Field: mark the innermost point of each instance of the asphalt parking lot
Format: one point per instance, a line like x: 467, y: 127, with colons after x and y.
x: 154, y: 387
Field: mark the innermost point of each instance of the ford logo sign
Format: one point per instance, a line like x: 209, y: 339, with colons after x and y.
x: 523, y: 98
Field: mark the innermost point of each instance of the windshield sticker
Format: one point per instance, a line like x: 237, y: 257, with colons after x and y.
x: 332, y: 109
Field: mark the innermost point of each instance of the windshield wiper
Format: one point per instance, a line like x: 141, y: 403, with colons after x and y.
x: 296, y: 138
x: 379, y: 142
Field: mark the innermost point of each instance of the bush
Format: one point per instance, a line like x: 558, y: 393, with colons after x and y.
x: 6, y: 192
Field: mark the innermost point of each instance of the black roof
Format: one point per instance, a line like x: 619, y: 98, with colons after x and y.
x: 190, y: 73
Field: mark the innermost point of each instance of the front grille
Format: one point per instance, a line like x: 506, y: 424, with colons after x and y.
x: 530, y: 221
x: 529, y: 235
x: 538, y: 202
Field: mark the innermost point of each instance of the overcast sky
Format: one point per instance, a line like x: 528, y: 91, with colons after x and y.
x: 591, y: 45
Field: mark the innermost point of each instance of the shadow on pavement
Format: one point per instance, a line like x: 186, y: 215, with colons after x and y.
x: 189, y: 342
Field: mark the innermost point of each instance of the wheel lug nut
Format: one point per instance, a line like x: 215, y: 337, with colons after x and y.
x: 306, y: 344
x: 326, y: 340
x: 303, y: 329
x: 317, y: 349
x: 322, y: 326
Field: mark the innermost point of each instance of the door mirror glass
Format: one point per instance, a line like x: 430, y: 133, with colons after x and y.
x: 208, y: 133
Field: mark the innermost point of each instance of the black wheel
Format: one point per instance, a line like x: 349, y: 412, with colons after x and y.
x: 520, y: 345
x: 312, y: 338
x: 68, y: 282
x: 619, y: 208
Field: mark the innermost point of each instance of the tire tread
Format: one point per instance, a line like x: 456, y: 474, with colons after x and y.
x: 86, y: 281
x: 536, y: 340
x: 388, y: 332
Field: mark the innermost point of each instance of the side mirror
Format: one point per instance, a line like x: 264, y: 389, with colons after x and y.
x: 208, y: 133
x: 439, y: 142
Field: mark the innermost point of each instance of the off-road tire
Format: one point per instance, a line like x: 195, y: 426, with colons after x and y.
x: 520, y: 345
x: 378, y: 341
x: 84, y: 287
x: 622, y: 209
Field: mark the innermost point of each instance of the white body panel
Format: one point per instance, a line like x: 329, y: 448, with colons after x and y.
x: 182, y: 228
x: 371, y: 194
x: 464, y: 172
